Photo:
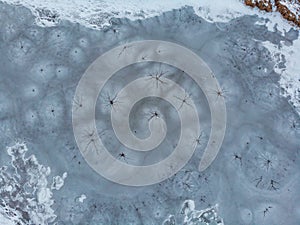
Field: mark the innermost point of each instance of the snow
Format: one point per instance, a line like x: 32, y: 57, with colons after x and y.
x: 5, y: 221
x: 82, y: 198
x: 192, y: 216
x: 207, y: 216
x: 58, y: 181
x: 30, y: 180
x: 98, y: 13
x: 292, y: 6
x: 290, y: 75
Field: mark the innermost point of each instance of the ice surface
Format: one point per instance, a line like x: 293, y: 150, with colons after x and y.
x: 98, y: 14
x: 255, y: 178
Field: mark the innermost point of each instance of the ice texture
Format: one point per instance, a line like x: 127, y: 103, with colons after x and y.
x: 101, y: 14
x: 192, y: 216
x: 255, y: 178
x: 98, y: 14
x: 26, y: 197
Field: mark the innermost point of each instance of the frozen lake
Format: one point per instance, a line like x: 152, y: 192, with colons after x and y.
x: 44, y: 178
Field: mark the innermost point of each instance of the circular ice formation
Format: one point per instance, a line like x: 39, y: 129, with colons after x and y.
x: 30, y: 91
x: 266, y: 166
x: 51, y: 112
x: 246, y: 215
x: 93, y: 81
x: 83, y: 42
x: 20, y: 51
x: 43, y: 71
x: 77, y: 55
x: 62, y: 72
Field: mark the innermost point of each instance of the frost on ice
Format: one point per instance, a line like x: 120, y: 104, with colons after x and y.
x: 25, y: 196
x: 192, y: 216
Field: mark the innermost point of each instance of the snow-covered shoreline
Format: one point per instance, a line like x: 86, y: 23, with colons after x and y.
x: 24, y: 185
x: 97, y: 13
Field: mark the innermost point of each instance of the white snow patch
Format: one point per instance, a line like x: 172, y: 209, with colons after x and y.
x: 82, y: 198
x: 5, y: 221
x: 58, y: 181
x: 187, y: 207
x: 290, y: 75
x: 292, y: 6
x: 26, y: 184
